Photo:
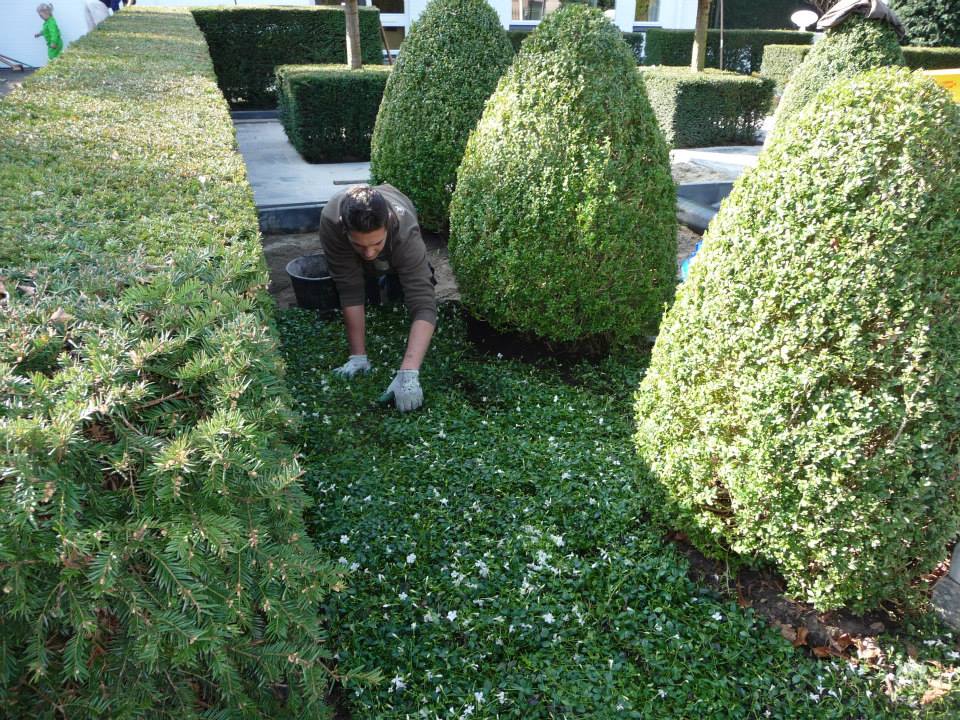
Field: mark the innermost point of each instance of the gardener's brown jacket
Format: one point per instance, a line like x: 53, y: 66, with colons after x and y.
x: 404, y: 254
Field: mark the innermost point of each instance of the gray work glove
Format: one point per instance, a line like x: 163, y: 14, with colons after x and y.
x: 355, y: 364
x: 405, y: 391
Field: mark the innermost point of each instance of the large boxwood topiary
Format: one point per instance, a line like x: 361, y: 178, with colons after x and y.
x: 801, y: 402
x: 562, y: 223
x: 853, y: 47
x: 450, y: 64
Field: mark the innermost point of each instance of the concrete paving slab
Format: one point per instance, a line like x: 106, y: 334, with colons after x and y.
x: 726, y: 162
x: 279, y: 176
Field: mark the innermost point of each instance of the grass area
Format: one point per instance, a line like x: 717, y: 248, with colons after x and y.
x: 502, y: 565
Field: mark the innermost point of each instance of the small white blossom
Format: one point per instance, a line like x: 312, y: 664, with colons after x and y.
x: 452, y: 615
x: 717, y: 616
x: 403, y: 596
x: 548, y: 618
x: 411, y: 558
x: 397, y: 684
x: 344, y: 539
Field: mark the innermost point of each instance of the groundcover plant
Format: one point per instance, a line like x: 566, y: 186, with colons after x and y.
x: 501, y: 564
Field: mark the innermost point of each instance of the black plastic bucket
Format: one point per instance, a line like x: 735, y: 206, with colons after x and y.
x: 312, y: 284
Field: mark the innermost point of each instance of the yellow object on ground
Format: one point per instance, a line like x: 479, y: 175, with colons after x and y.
x: 948, y: 79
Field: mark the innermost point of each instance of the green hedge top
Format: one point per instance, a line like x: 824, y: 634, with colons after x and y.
x: 781, y: 61
x: 329, y: 111
x: 707, y: 108
x: 742, y: 49
x: 932, y: 58
x: 152, y: 550
x: 247, y: 43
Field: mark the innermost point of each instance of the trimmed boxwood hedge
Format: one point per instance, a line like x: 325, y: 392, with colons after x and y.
x: 927, y: 58
x: 329, y: 111
x: 780, y: 62
x: 153, y: 556
x: 801, y: 402
x: 742, y: 49
x: 707, y: 108
x: 451, y: 61
x: 634, y: 39
x: 248, y: 43
x: 855, y: 46
x: 563, y: 221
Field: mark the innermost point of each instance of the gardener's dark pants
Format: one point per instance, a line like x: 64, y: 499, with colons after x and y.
x: 387, y: 284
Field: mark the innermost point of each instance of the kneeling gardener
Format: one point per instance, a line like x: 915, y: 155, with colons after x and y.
x: 370, y: 236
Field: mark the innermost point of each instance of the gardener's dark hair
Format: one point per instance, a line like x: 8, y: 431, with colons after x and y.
x: 364, y: 209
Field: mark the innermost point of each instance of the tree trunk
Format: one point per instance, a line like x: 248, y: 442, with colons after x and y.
x: 353, y: 34
x: 699, y: 55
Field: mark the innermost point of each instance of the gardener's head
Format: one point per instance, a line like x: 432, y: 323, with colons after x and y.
x: 44, y: 10
x: 365, y: 216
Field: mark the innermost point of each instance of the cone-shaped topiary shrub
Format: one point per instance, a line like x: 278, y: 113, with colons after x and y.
x: 801, y: 402
x: 450, y: 64
x: 562, y: 224
x: 853, y: 47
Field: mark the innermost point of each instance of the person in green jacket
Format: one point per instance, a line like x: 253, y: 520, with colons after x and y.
x: 50, y: 31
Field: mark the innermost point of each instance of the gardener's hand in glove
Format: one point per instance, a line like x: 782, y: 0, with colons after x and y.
x: 405, y: 391
x: 356, y: 364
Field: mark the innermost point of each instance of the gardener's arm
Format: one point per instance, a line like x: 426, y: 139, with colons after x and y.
x: 421, y: 332
x: 355, y: 320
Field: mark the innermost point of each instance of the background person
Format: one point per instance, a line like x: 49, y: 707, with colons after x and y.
x: 369, y: 234
x: 50, y: 31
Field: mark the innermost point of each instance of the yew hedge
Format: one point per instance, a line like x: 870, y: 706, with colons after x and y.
x: 153, y: 555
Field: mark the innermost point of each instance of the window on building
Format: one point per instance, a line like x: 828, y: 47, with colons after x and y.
x: 395, y: 36
x: 389, y: 6
x: 533, y: 9
x: 647, y: 11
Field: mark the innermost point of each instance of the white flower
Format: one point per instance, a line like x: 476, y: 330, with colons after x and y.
x: 354, y: 567
x: 397, y: 684
x: 411, y: 558
x: 501, y: 697
x: 342, y: 560
x: 344, y: 539
x: 557, y: 540
x: 452, y: 615
x: 478, y: 698
x: 717, y: 616
x: 548, y: 618
x: 953, y: 655
x: 482, y: 568
x: 403, y: 596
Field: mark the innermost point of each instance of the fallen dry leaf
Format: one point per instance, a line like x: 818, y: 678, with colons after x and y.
x: 868, y: 650
x: 841, y: 642
x: 802, y: 633
x: 936, y: 691
x: 60, y: 316
x: 788, y: 632
x: 824, y: 651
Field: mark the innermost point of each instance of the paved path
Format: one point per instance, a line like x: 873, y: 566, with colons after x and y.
x: 10, y: 79
x: 279, y: 176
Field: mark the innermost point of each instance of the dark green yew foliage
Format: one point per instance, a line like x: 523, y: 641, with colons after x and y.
x: 801, y: 402
x: 153, y: 555
x: 450, y: 63
x: 853, y: 47
x: 562, y: 224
